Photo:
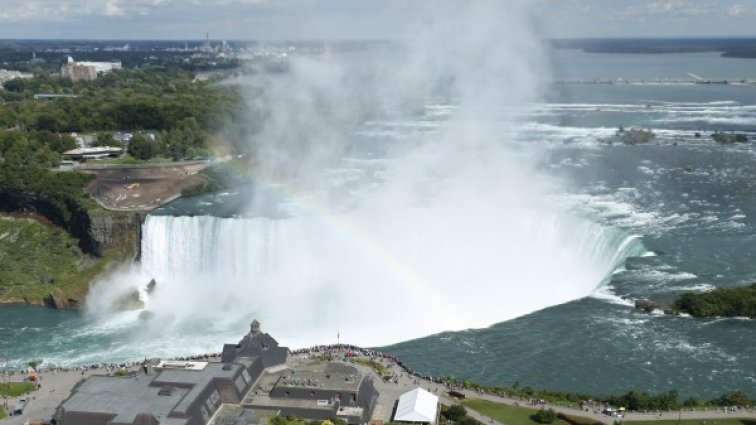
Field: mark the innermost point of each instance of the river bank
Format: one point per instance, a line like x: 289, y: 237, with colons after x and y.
x: 56, y: 384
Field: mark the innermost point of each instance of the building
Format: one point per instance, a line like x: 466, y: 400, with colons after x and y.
x: 7, y: 75
x: 99, y: 152
x: 254, y: 380
x: 53, y: 96
x: 87, y: 71
x: 316, y: 390
x: 171, y: 393
x: 417, y: 406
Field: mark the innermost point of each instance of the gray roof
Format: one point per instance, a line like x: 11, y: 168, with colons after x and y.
x: 264, y: 401
x: 331, y: 376
x: 128, y: 397
x: 124, y: 397
x: 256, y: 345
x: 275, y: 356
x: 199, y: 379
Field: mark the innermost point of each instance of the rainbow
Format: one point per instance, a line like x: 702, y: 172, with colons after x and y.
x: 442, y: 308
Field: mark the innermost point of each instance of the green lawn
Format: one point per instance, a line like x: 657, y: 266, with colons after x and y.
x: 511, y: 415
x: 377, y: 367
x: 2, y: 412
x: 696, y: 422
x: 15, y: 389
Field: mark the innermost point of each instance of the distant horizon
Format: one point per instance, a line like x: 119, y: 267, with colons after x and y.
x: 375, y: 40
x: 278, y: 20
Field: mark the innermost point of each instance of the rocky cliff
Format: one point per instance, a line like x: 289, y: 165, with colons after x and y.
x: 49, y: 255
x: 115, y: 230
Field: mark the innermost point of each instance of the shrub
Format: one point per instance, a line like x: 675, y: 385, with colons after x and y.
x: 455, y: 412
x: 729, y: 138
x: 724, y: 302
x: 636, y: 136
x: 466, y: 420
x: 573, y: 421
x: 544, y: 416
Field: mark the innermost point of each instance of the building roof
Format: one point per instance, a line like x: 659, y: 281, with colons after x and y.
x: 256, y: 344
x: 330, y: 376
x: 126, y: 398
x: 94, y: 151
x: 198, y: 379
x: 417, y: 405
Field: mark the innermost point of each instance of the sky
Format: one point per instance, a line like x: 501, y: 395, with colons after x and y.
x: 354, y: 19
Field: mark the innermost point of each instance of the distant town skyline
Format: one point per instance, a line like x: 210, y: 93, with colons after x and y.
x: 354, y: 19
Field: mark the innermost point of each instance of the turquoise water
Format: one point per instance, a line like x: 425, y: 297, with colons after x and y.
x: 694, y: 203
x: 691, y: 202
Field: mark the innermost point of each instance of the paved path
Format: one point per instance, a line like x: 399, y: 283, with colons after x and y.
x: 630, y: 416
x: 54, y: 388
x: 406, y: 383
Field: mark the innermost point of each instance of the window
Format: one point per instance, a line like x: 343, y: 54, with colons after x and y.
x: 215, y: 399
x: 240, y: 384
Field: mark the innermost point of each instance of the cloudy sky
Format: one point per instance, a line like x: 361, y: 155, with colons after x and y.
x: 354, y: 19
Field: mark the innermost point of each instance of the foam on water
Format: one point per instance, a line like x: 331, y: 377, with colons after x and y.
x: 606, y: 293
x: 313, y: 270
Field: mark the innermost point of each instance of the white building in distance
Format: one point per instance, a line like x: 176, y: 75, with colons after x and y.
x: 7, y: 75
x: 87, y: 71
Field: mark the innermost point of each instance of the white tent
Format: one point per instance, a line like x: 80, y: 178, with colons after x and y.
x: 417, y: 405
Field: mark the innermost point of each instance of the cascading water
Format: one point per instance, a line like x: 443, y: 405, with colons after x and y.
x: 403, y: 223
x: 311, y: 276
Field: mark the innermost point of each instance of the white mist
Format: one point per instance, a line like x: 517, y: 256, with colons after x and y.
x: 426, y: 225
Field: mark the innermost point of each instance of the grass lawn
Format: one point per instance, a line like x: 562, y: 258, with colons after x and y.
x: 696, y: 422
x: 511, y: 415
x: 15, y: 389
x: 2, y: 412
x: 379, y: 368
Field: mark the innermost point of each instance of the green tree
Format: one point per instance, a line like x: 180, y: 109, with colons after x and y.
x: 49, y: 122
x: 105, y: 138
x: 142, y: 148
x: 455, y: 412
x: 544, y: 416
x: 734, y: 398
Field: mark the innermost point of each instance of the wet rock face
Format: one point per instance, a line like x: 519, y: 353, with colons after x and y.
x: 113, y: 230
x: 96, y: 231
x: 56, y: 301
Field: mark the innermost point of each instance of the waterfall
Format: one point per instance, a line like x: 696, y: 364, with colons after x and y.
x: 374, y: 281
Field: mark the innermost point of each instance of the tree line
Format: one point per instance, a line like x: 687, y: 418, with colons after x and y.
x: 167, y: 100
x: 720, y: 302
x: 632, y: 400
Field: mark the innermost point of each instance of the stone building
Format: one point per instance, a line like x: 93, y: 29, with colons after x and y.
x: 87, y: 71
x: 173, y: 392
x: 316, y: 390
